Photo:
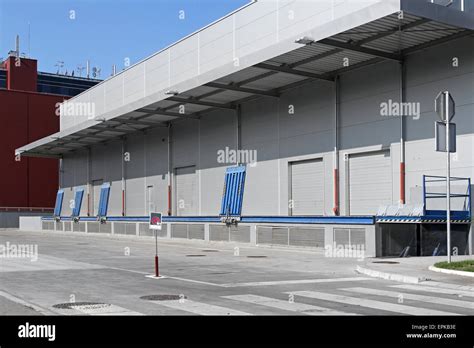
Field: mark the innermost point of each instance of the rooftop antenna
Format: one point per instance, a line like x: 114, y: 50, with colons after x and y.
x: 60, y: 65
x: 88, y: 66
x: 29, y: 36
x: 80, y: 68
x: 17, y: 45
x: 16, y: 51
x: 95, y: 72
x: 114, y: 70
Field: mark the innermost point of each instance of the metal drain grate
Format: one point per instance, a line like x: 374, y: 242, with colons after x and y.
x: 387, y: 262
x: 163, y: 297
x: 256, y: 256
x: 82, y: 305
x: 195, y: 255
x: 210, y: 251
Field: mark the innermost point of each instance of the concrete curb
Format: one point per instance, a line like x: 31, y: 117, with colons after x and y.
x: 391, y: 276
x: 451, y: 271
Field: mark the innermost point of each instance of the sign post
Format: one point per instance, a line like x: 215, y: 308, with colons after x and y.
x: 445, y: 108
x: 155, y: 224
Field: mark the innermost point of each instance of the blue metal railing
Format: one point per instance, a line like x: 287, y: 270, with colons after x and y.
x: 466, y: 212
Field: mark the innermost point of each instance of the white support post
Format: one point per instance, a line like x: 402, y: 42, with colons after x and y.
x: 448, y: 181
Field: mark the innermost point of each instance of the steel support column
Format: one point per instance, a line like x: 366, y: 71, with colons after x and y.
x: 336, y: 208
x: 402, y: 134
x: 170, y: 210
x: 123, y: 177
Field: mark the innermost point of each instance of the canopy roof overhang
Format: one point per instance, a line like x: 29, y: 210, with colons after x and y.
x: 389, y: 38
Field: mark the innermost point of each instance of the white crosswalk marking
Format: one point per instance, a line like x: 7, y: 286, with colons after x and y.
x: 199, y: 308
x: 301, y: 308
x: 436, y: 290
x: 384, y: 306
x: 299, y: 281
x: 449, y: 285
x: 98, y: 310
x: 416, y: 297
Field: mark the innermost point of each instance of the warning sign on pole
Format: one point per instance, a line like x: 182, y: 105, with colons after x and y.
x: 440, y: 137
x: 155, y: 221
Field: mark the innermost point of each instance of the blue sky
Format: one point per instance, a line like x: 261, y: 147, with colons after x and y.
x: 106, y: 32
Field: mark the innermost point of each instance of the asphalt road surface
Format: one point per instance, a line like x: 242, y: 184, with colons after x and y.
x: 77, y: 274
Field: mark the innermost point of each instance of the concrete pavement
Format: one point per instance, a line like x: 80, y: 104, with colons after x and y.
x: 410, y: 269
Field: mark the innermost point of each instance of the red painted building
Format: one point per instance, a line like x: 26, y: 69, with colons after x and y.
x: 27, y: 113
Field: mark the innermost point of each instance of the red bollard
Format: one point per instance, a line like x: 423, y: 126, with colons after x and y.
x: 157, y: 273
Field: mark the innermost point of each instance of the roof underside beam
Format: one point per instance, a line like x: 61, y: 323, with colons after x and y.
x: 438, y: 42
x: 242, y: 89
x: 200, y: 102
x: 42, y: 155
x: 138, y: 122
x: 160, y: 111
x: 392, y: 31
x: 357, y: 48
x: 108, y: 128
x: 288, y: 70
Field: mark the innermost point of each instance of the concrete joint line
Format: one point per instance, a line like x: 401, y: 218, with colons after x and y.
x: 22, y: 302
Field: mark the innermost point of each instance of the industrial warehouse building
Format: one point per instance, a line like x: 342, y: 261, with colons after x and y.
x: 329, y: 105
x: 28, y: 99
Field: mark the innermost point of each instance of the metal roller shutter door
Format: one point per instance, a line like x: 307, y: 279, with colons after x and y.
x: 370, y: 182
x: 307, y: 187
x: 186, y: 191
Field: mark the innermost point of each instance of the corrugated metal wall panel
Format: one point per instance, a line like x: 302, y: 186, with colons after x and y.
x: 240, y: 234
x: 370, y: 182
x: 272, y: 235
x: 179, y: 231
x: 341, y: 236
x: 349, y: 236
x: 47, y: 225
x: 357, y: 236
x: 186, y: 191
x: 218, y: 233
x: 105, y: 228
x: 196, y: 231
x: 307, y: 187
x: 307, y: 237
x: 124, y: 228
x: 144, y: 230
x: 79, y: 227
x: 93, y: 227
x: 96, y: 187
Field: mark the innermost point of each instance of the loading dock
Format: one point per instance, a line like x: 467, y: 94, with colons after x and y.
x: 370, y: 181
x: 310, y: 90
x: 307, y: 187
x: 186, y: 183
